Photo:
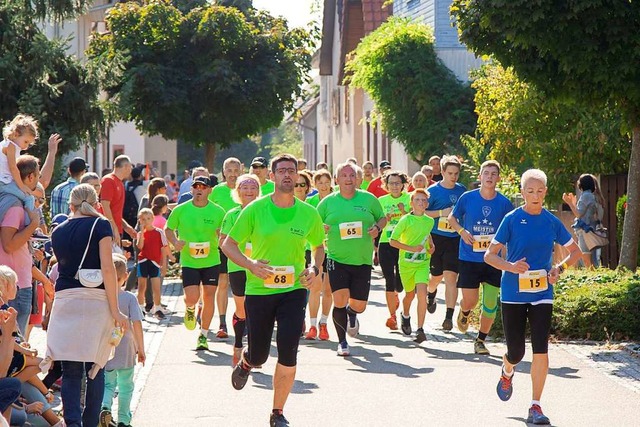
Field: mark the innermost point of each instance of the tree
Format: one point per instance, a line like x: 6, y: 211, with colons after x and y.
x: 523, y: 129
x: 38, y: 78
x: 583, y: 51
x: 210, y: 76
x: 419, y: 100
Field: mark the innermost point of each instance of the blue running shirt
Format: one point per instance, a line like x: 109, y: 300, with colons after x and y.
x: 443, y: 198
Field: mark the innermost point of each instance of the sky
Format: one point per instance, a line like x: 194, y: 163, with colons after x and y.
x: 297, y: 12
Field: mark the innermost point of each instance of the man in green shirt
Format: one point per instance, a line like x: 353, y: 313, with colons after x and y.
x: 367, y: 172
x: 260, y: 168
x: 277, y: 277
x: 198, y: 223
x: 221, y: 195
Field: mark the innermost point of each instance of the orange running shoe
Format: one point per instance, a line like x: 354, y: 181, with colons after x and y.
x: 324, y: 332
x: 237, y: 354
x: 392, y: 323
x: 312, y: 334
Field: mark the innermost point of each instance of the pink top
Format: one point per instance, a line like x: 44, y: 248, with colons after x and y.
x: 19, y: 260
x: 159, y: 221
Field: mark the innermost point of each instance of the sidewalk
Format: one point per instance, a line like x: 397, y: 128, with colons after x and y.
x: 388, y: 380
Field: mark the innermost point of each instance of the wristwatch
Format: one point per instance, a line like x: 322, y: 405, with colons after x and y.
x: 316, y: 270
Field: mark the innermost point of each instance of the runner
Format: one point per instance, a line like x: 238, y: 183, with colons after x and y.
x: 198, y: 223
x: 275, y: 290
x: 528, y: 234
x: 376, y: 186
x: 412, y: 237
x: 435, y: 163
x: 367, y: 171
x: 444, y: 262
x: 247, y: 190
x: 419, y: 180
x: 221, y: 195
x: 260, y: 168
x: 322, y: 180
x: 353, y: 219
x: 480, y: 212
x: 395, y: 205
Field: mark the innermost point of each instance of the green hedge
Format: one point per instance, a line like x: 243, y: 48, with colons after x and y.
x: 599, y: 305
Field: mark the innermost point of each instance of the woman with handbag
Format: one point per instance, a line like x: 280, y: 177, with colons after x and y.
x: 86, y: 305
x: 587, y: 212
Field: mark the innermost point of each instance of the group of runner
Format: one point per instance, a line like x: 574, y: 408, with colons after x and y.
x: 282, y: 245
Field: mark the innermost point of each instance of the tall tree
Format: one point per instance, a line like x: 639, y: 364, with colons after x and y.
x: 210, y: 76
x: 40, y: 79
x: 419, y: 100
x: 585, y: 51
x: 522, y: 128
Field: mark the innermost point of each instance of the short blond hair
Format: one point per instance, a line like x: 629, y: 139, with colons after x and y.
x: 120, y: 263
x: 7, y: 276
x: 144, y: 211
x: 20, y: 125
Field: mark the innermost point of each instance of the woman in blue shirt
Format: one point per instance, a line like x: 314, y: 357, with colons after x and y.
x: 529, y: 234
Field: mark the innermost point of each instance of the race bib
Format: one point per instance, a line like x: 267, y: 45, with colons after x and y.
x: 443, y: 225
x: 282, y: 277
x: 199, y: 250
x: 482, y: 241
x: 415, y: 257
x: 247, y: 249
x: 533, y: 281
x: 351, y: 230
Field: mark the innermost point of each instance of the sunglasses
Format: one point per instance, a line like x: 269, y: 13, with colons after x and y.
x: 301, y: 184
x: 199, y: 186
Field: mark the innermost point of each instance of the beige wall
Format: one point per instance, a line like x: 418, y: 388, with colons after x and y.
x: 161, y: 152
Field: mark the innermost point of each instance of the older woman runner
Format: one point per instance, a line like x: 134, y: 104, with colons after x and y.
x: 247, y: 190
x: 353, y: 219
x: 526, y: 289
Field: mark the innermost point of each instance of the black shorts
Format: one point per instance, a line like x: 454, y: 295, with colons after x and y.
x: 223, y: 263
x: 514, y: 322
x: 307, y: 260
x: 474, y: 273
x: 17, y: 365
x: 445, y: 257
x: 147, y: 269
x: 208, y: 276
x: 356, y: 278
x: 238, y: 282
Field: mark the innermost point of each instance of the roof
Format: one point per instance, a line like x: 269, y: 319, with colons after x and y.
x: 375, y: 13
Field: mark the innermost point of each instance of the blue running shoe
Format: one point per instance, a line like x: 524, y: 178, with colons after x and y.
x: 536, y: 416
x: 505, y: 387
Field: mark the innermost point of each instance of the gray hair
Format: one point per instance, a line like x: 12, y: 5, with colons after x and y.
x: 88, y: 176
x: 536, y: 174
x: 353, y: 166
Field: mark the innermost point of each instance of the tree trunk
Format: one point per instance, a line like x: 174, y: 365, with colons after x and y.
x: 631, y: 229
x: 210, y: 156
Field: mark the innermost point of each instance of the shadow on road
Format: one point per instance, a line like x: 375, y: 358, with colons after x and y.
x: 265, y: 382
x: 524, y: 421
x: 213, y: 358
x: 372, y: 362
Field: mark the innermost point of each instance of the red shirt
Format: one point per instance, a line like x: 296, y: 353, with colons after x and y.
x: 154, y: 241
x: 375, y: 187
x: 113, y: 192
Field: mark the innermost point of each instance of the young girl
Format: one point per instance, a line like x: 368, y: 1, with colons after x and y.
x: 160, y: 206
x: 18, y: 135
x: 412, y: 236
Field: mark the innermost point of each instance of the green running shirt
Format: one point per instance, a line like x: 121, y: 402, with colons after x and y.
x: 221, y: 196
x: 390, y: 207
x: 412, y: 230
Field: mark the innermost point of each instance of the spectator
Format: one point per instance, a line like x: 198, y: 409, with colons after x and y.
x: 112, y: 197
x: 185, y: 186
x: 81, y: 311
x: 9, y: 387
x: 156, y: 186
x: 93, y: 180
x: 60, y: 194
x: 172, y: 187
x: 137, y: 184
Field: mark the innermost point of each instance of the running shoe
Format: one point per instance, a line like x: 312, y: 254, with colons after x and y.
x: 161, y: 308
x: 190, y: 318
x: 392, y: 323
x: 222, y: 332
x: 536, y: 416
x: 480, y: 348
x: 431, y: 305
x: 420, y: 336
x: 406, y: 325
x: 202, y: 343
x: 353, y: 331
x: 312, y: 334
x: 343, y: 349
x: 278, y: 421
x: 505, y: 386
x: 463, y: 322
x: 447, y: 325
x: 237, y: 354
x: 324, y: 332
x: 240, y: 374
x: 159, y: 315
x: 106, y: 419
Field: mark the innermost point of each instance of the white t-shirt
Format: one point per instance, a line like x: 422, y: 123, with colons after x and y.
x: 5, y: 172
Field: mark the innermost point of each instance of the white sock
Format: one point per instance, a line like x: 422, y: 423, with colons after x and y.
x: 405, y: 317
x: 142, y: 308
x: 535, y: 402
x: 204, y: 332
x: 314, y: 321
x: 323, y: 319
x: 507, y: 374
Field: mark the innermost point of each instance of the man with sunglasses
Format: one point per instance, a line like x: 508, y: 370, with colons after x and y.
x: 260, y: 168
x: 278, y: 226
x: 198, y: 223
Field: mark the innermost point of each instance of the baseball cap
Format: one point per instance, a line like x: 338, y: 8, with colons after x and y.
x: 201, y: 180
x: 259, y: 161
x: 77, y: 165
x: 58, y: 219
x: 384, y: 164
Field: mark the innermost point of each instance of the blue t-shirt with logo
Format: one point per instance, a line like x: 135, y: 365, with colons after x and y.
x: 481, y: 218
x: 443, y: 198
x: 531, y: 237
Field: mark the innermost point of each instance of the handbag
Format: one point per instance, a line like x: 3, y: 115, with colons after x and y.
x: 89, y: 277
x: 596, y: 237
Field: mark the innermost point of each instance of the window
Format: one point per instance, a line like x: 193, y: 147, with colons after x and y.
x: 347, y: 101
x: 163, y: 167
x: 335, y: 106
x: 118, y: 150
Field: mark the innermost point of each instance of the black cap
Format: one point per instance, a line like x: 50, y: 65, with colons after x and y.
x: 136, y: 173
x: 201, y: 180
x: 259, y: 161
x: 77, y: 165
x: 384, y: 164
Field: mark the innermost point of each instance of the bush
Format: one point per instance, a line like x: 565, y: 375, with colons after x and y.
x: 599, y: 305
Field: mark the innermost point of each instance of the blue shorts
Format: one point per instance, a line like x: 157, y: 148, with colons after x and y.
x: 147, y: 269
